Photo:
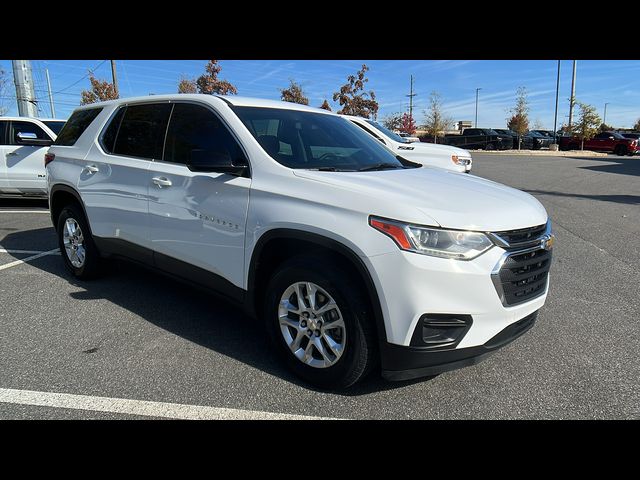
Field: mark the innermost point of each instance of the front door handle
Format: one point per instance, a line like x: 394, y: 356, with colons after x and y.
x: 162, y: 181
x: 91, y: 169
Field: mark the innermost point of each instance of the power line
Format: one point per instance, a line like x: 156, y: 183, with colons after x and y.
x: 85, y: 76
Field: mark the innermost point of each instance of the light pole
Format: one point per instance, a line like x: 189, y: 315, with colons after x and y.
x: 604, y: 120
x: 476, y: 122
x: 555, y: 117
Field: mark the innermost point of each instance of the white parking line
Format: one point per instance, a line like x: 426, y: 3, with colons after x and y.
x: 28, y: 259
x: 25, y: 211
x: 138, y: 407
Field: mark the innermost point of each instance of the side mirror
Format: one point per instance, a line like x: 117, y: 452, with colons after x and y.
x: 611, y: 137
x: 31, y: 139
x: 215, y: 161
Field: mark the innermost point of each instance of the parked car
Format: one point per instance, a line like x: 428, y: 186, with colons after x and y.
x: 546, y: 133
x: 539, y: 140
x: 353, y: 256
x: 603, y: 142
x: 526, y: 142
x: 480, y: 138
x: 441, y: 156
x: 409, y: 138
x: 23, y: 144
x: 633, y: 136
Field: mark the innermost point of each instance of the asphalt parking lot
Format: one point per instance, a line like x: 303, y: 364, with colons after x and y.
x: 137, y: 345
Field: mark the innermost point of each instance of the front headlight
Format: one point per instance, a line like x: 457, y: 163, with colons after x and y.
x: 436, y: 242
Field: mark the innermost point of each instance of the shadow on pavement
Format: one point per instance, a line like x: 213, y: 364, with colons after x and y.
x: 613, y: 164
x: 197, y: 316
x: 628, y: 199
x: 26, y: 203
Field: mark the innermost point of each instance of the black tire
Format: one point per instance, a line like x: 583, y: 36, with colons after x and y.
x: 489, y: 146
x: 621, y: 150
x: 92, y: 265
x: 360, y: 351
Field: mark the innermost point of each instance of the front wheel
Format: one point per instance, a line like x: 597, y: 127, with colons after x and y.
x: 489, y: 146
x: 319, y: 321
x: 79, y: 252
x: 621, y: 150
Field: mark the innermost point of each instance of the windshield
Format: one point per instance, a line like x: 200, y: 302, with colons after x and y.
x: 309, y: 140
x: 388, y: 133
x: 54, y: 125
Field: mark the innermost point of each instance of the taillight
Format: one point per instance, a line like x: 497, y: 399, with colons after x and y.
x: 48, y: 158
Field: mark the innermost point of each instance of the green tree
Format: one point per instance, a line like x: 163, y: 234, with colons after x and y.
x: 353, y: 99
x: 436, y: 122
x: 393, y: 121
x: 187, y: 85
x: 588, y: 123
x: 604, y: 127
x: 100, y: 91
x: 519, y: 121
x: 325, y: 105
x: 293, y: 94
x: 209, y: 82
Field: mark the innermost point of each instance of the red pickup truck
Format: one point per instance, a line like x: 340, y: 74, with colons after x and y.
x: 603, y: 142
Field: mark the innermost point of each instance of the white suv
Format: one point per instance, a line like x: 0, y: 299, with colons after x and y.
x: 428, y: 154
x: 353, y: 257
x: 23, y: 143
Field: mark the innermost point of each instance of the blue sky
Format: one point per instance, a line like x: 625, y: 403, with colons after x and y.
x: 614, y: 82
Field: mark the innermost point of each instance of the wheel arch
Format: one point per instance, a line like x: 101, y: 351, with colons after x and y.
x: 61, y: 195
x: 279, y: 244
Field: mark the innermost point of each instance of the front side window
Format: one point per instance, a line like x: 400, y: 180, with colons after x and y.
x: 309, y: 140
x: 142, y: 130
x: 26, y: 127
x: 196, y: 134
x: 54, y: 125
x: 387, y: 132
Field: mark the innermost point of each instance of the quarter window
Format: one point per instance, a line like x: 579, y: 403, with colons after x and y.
x: 109, y: 136
x: 76, y: 125
x: 196, y: 134
x: 142, y: 130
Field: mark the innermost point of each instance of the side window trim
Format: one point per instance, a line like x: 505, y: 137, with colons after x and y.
x: 106, y: 126
x: 373, y: 134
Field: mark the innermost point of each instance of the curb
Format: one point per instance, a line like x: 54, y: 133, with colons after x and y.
x: 543, y: 153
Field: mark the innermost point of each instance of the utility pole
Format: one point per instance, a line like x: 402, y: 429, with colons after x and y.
x: 475, y: 124
x: 604, y: 120
x: 25, y: 95
x: 555, y: 117
x: 572, y: 100
x: 411, y: 95
x: 114, y: 77
x: 53, y: 109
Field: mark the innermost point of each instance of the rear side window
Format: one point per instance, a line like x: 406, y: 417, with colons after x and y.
x: 196, y: 134
x: 26, y: 127
x: 3, y: 132
x: 142, y: 131
x: 76, y: 125
x: 110, y: 134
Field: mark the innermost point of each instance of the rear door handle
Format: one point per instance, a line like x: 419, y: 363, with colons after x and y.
x: 91, y: 169
x: 11, y: 154
x: 162, y: 181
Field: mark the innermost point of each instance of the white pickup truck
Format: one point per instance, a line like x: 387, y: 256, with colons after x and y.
x: 23, y: 144
x: 429, y: 154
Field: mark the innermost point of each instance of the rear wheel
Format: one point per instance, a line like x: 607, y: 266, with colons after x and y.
x: 621, y: 150
x: 319, y: 320
x: 79, y: 252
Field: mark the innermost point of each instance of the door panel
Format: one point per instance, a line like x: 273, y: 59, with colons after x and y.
x: 200, y: 218
x: 24, y: 163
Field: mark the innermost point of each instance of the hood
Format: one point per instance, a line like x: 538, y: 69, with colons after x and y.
x: 436, y: 149
x: 424, y: 195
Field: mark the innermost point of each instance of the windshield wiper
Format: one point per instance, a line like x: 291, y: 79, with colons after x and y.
x: 379, y: 166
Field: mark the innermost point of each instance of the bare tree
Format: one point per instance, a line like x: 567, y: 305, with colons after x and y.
x: 325, y: 105
x: 353, y: 102
x: 3, y: 91
x: 209, y: 83
x: 436, y: 122
x: 187, y: 85
x: 293, y: 94
x: 636, y: 127
x: 538, y: 125
x: 100, y: 91
x: 393, y: 121
x: 519, y: 121
x: 588, y: 123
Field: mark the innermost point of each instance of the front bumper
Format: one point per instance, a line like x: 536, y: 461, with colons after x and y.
x: 405, y: 363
